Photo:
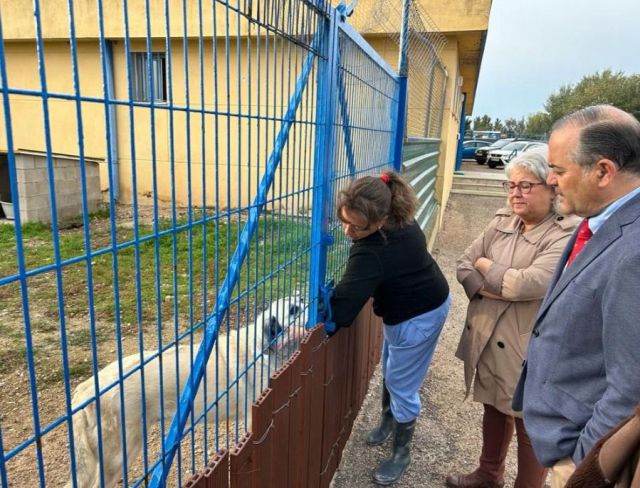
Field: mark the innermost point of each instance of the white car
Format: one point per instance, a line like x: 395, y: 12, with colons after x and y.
x: 500, y: 157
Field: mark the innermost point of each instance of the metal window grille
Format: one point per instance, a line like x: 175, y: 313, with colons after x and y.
x: 141, y: 77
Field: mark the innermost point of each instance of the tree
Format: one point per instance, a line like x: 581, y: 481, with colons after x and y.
x: 538, y: 123
x: 482, y: 123
x: 618, y: 89
x: 615, y: 88
x: 468, y: 123
x: 511, y: 126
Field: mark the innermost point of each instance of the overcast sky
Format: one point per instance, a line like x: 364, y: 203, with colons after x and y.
x: 535, y: 47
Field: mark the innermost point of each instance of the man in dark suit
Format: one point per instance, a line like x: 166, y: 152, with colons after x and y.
x: 582, y: 375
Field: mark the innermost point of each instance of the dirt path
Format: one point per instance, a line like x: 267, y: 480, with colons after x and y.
x: 448, y: 432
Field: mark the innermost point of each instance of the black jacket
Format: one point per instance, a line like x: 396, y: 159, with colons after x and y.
x: 395, y: 268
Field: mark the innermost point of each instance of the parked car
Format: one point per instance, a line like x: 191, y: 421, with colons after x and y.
x: 482, y: 152
x: 469, y: 147
x: 500, y: 157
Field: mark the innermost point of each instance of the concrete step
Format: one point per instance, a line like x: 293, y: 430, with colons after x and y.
x: 479, y: 183
x: 496, y: 175
x: 481, y: 193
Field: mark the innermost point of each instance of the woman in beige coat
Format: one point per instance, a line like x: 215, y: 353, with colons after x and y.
x: 505, y: 273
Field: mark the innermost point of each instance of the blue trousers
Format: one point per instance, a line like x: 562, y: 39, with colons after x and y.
x: 406, y: 354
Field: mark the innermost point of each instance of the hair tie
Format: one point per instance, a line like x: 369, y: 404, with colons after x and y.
x: 385, y: 178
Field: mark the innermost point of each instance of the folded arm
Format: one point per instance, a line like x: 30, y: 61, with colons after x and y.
x: 523, y: 284
x: 468, y: 276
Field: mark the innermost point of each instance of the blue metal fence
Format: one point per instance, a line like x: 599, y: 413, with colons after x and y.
x: 223, y: 132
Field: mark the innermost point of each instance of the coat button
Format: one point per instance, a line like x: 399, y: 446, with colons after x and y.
x: 536, y: 332
x: 501, y: 344
x: 559, y: 218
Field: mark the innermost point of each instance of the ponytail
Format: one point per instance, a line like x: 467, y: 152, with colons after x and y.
x: 377, y: 197
x: 404, y: 201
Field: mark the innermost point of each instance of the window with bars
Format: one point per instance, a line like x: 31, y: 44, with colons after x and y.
x: 141, y: 79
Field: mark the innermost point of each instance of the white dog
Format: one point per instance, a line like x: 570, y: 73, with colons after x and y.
x: 248, y: 346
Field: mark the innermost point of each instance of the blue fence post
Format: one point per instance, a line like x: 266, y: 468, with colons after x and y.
x: 403, y: 83
x: 323, y: 164
x: 463, y: 123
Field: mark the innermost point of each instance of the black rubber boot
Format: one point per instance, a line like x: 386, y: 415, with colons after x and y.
x: 382, y: 432
x: 392, y: 469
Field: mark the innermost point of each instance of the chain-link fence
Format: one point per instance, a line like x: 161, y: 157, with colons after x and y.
x: 427, y: 75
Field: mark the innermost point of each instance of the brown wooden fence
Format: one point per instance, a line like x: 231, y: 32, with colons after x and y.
x: 301, y: 423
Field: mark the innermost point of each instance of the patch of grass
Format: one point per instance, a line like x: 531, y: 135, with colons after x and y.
x: 163, y: 272
x: 101, y: 214
x: 77, y: 369
x: 82, y: 337
x: 12, y: 358
x: 7, y: 331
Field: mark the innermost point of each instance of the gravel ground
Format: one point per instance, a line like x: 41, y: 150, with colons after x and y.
x: 447, y: 436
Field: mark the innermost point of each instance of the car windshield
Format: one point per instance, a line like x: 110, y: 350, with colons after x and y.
x: 534, y: 146
x: 517, y: 145
x: 500, y: 143
x: 475, y: 143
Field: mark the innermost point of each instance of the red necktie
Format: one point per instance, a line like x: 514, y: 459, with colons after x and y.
x: 584, y: 234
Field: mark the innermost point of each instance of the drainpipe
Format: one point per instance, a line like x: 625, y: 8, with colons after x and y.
x: 463, y: 123
x: 111, y: 120
x: 403, y: 71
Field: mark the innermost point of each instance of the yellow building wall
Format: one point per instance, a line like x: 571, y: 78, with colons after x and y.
x: 450, y: 125
x: 240, y: 87
x: 239, y: 119
x: 28, y: 110
x: 450, y: 16
x: 55, y: 19
x: 236, y: 148
x: 449, y: 57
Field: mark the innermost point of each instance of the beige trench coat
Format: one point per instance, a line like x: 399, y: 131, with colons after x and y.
x: 496, y: 333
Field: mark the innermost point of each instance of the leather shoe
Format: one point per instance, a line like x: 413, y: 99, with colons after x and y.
x: 472, y: 480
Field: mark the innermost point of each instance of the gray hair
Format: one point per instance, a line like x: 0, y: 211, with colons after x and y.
x: 606, y: 132
x: 533, y: 161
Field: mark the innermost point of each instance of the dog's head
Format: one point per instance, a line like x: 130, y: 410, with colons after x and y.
x: 282, y: 322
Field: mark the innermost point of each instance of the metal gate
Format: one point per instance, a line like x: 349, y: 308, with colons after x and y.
x: 170, y: 167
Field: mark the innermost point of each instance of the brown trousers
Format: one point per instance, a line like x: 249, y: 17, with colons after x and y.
x: 497, y: 432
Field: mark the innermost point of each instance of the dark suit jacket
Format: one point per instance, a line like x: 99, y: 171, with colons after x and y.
x: 582, y: 374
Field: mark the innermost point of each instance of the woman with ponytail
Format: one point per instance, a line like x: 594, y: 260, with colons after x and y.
x: 389, y: 261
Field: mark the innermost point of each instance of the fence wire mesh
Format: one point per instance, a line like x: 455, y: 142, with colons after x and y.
x: 426, y: 73
x: 160, y: 159
x: 364, y: 132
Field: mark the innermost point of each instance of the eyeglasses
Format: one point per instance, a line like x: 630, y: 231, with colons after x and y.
x: 356, y: 228
x: 523, y: 186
